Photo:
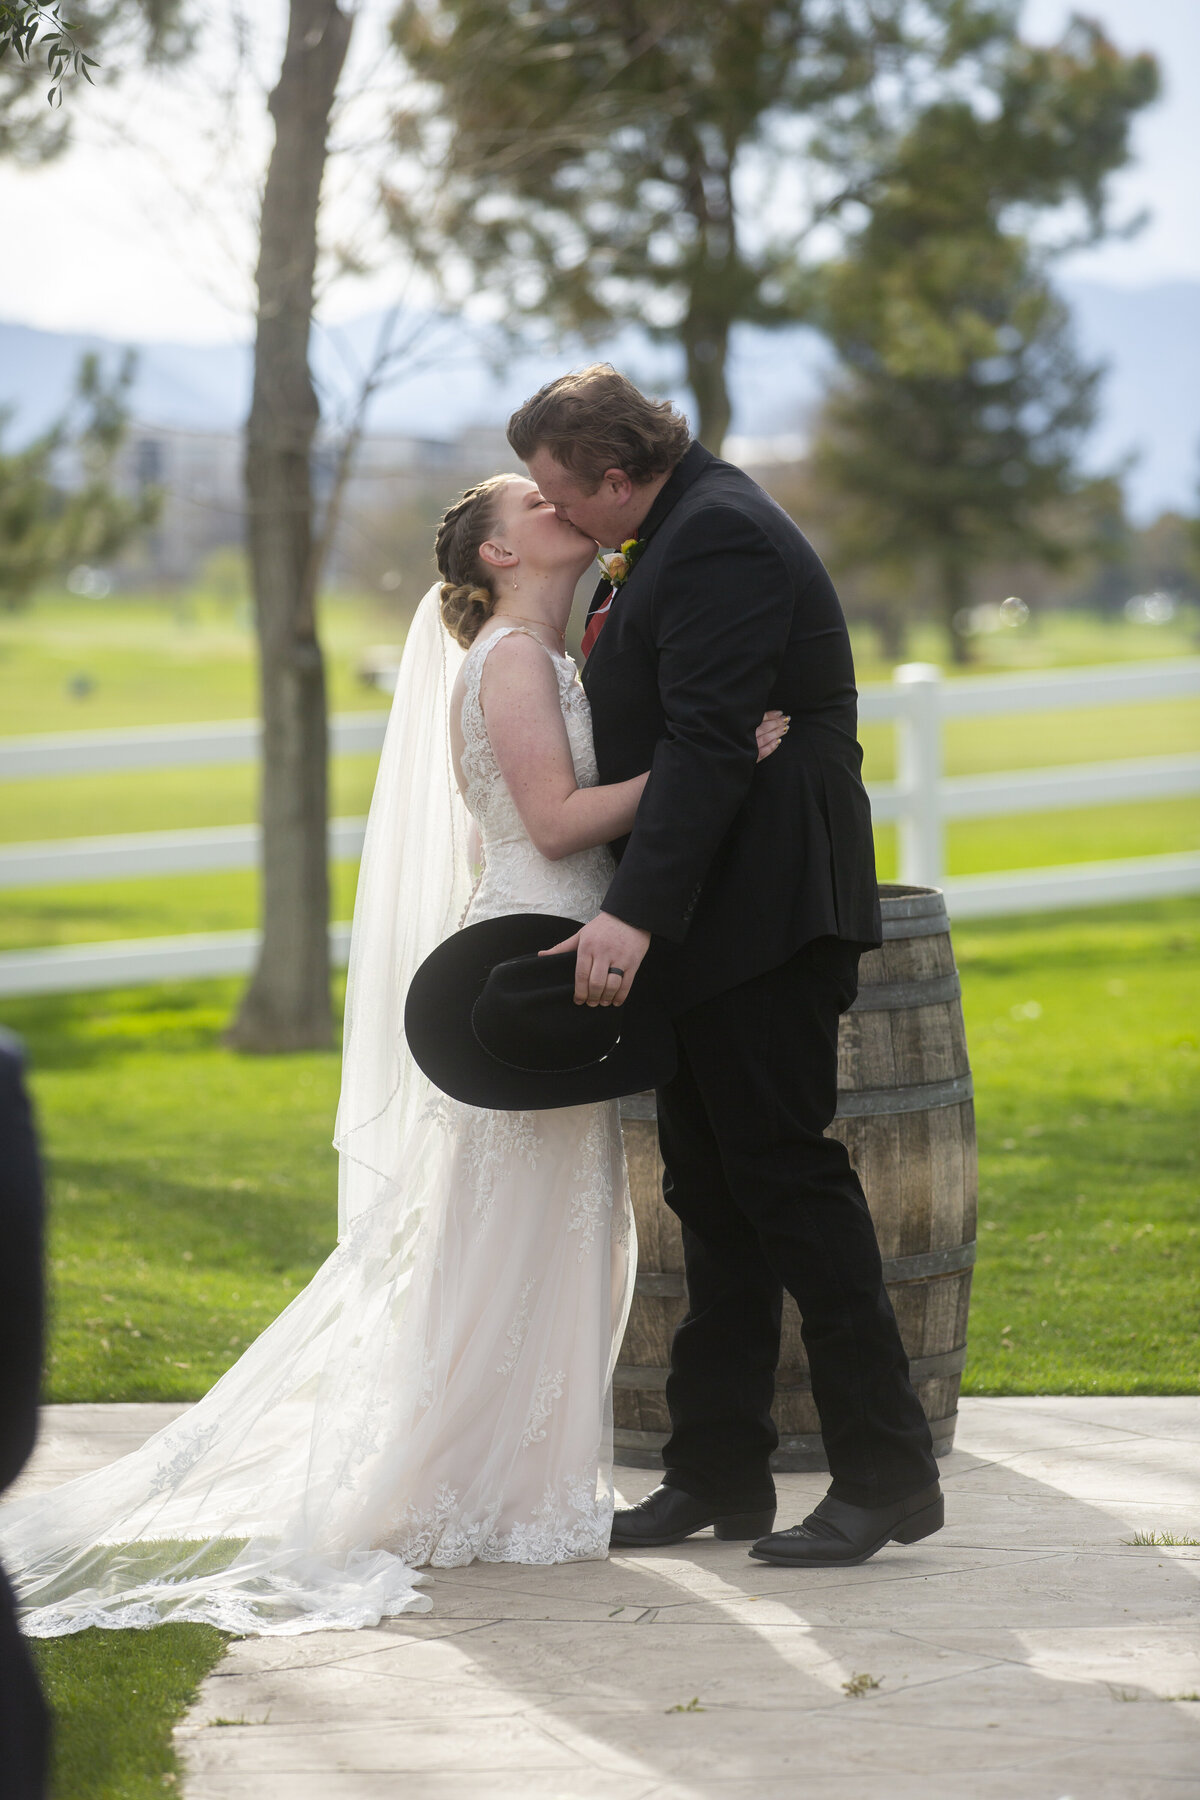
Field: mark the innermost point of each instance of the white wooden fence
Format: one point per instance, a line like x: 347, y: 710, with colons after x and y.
x: 921, y: 800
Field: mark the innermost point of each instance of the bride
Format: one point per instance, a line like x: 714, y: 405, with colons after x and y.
x: 441, y: 1390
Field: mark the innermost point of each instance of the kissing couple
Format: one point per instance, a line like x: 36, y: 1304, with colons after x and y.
x: 702, y: 878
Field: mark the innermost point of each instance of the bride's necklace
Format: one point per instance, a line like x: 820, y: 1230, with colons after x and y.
x: 518, y: 619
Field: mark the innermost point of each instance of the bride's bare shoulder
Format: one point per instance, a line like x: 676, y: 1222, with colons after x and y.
x: 516, y: 659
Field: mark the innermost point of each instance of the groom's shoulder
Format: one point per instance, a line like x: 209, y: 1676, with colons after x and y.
x: 725, y: 491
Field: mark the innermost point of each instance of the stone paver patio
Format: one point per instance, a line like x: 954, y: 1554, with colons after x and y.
x: 1025, y: 1653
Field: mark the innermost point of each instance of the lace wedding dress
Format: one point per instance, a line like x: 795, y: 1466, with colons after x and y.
x: 441, y: 1390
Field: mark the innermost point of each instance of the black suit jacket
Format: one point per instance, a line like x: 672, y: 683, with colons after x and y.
x: 729, y: 611
x: 21, y: 1277
x: 24, y: 1720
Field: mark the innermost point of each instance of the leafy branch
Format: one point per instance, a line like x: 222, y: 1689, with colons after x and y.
x: 27, y: 24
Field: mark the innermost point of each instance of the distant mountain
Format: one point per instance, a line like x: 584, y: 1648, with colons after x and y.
x: 1149, y: 338
x: 196, y: 387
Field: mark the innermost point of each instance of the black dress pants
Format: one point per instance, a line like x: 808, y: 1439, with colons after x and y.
x: 768, y: 1202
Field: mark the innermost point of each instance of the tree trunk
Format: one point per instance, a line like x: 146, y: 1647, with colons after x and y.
x: 955, y: 595
x: 891, y: 629
x: 706, y: 345
x: 713, y: 279
x: 286, y: 1006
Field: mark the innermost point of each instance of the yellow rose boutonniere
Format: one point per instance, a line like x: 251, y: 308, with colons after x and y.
x: 617, y: 564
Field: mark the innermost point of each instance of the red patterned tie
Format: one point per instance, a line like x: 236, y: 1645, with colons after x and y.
x: 596, y: 623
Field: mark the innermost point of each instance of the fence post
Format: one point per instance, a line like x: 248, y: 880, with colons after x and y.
x: 919, y: 774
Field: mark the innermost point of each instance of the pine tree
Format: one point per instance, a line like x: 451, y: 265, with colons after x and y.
x: 952, y: 434
x: 46, y: 525
x: 662, y: 164
x: 682, y: 164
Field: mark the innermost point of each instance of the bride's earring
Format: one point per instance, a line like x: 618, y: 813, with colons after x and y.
x: 514, y: 584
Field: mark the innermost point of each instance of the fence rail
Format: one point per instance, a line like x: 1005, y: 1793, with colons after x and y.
x: 71, y: 860
x: 166, y: 746
x: 1051, y: 690
x: 920, y: 801
x: 131, y: 962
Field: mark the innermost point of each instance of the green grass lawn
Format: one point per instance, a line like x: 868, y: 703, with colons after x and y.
x: 115, y: 1696
x: 193, y: 1193
x: 1084, y: 1033
x: 1048, y: 640
x: 160, y: 799
x: 161, y: 906
x: 1045, y: 739
x: 168, y: 658
x: 194, y: 1190
x: 154, y: 659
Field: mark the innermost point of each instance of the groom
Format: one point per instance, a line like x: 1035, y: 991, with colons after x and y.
x: 756, y: 890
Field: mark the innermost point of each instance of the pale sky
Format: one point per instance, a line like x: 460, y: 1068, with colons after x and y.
x: 143, y: 231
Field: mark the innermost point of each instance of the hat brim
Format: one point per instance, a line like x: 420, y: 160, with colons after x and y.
x: 437, y: 1024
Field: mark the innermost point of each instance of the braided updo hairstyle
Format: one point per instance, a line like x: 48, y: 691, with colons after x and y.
x: 468, y: 590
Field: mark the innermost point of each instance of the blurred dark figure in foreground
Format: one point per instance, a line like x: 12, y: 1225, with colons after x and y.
x: 24, y: 1719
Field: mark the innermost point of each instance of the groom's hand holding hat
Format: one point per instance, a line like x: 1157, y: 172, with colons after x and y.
x: 608, y: 954
x: 490, y: 1018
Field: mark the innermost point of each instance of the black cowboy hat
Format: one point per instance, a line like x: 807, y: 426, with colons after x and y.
x: 493, y: 1023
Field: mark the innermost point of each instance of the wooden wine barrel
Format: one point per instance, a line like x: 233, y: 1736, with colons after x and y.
x: 906, y: 1116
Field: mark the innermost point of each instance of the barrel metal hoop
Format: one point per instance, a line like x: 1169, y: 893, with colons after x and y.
x: 916, y: 927
x: 855, y: 1103
x: 670, y: 1284
x: 660, y: 1284
x: 896, y: 996
x: 809, y: 1442
x: 954, y: 1261
x: 920, y: 1368
x: 860, y: 1103
x: 936, y: 1368
x: 639, y: 1375
x: 797, y: 1451
x: 922, y: 903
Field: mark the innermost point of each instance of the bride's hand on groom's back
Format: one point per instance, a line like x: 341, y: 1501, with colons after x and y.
x: 608, y: 954
x: 770, y: 733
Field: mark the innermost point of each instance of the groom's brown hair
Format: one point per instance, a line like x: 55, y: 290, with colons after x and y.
x: 595, y: 419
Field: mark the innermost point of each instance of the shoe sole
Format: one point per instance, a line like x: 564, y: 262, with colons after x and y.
x: 729, y: 1527
x: 920, y: 1525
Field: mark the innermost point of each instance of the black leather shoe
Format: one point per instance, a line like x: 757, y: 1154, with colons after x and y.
x: 668, y: 1515
x: 837, y: 1536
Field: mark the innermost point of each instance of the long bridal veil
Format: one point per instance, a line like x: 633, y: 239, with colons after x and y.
x: 414, y: 883
x: 259, y: 1510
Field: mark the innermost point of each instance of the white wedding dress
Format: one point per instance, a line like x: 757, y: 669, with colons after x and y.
x: 441, y: 1390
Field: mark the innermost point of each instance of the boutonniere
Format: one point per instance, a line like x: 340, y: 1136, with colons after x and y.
x: 618, y: 564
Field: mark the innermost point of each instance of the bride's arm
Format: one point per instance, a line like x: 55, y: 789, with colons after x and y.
x: 519, y: 695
